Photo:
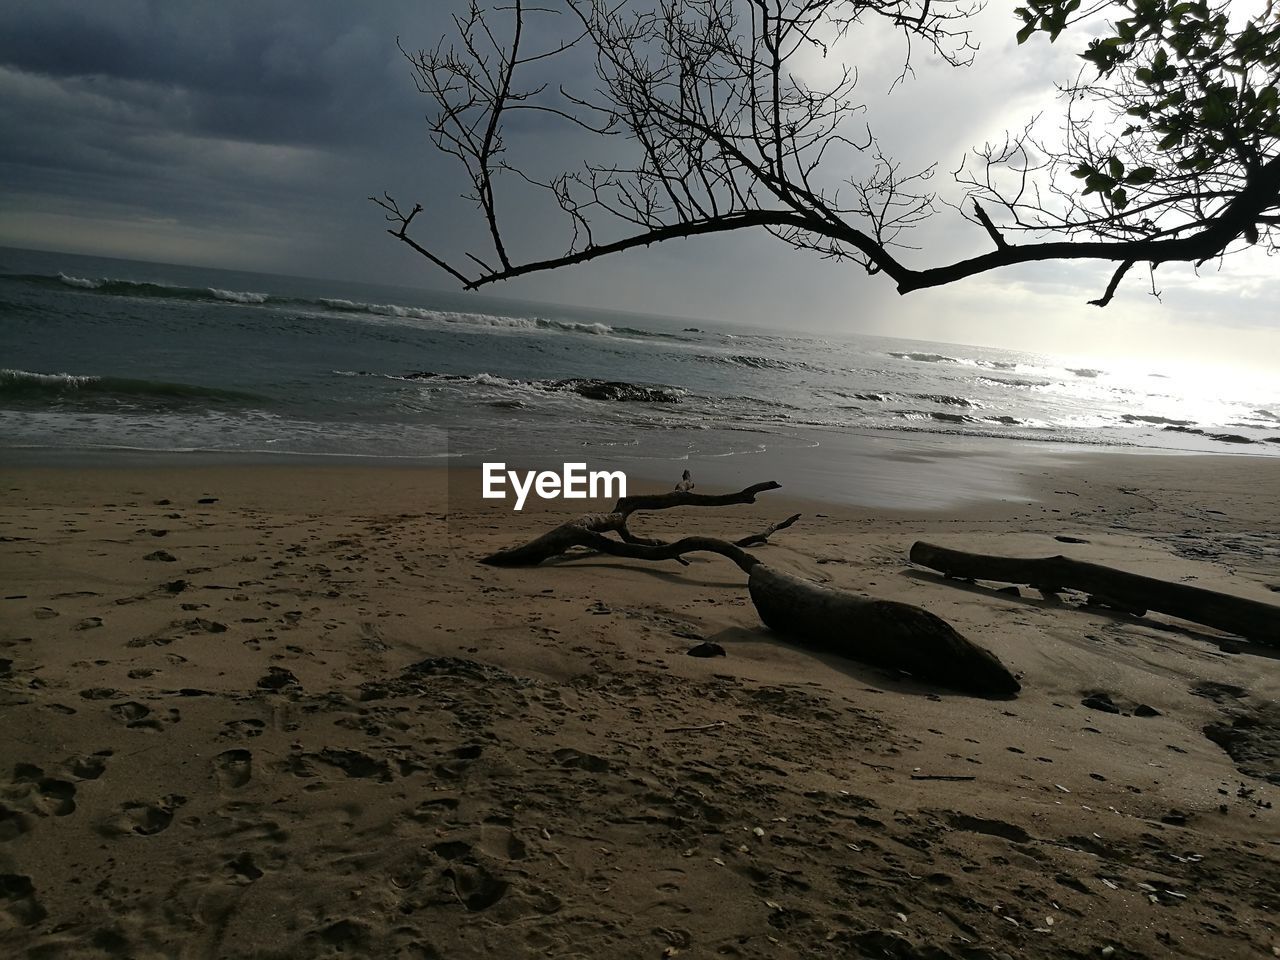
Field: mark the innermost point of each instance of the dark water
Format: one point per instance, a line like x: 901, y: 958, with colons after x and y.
x: 114, y: 354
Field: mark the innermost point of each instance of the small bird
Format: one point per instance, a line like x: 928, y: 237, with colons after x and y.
x: 686, y: 482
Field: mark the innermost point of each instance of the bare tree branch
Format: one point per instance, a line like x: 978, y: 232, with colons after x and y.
x: 727, y: 133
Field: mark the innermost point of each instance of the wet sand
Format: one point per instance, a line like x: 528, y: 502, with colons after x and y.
x: 281, y: 711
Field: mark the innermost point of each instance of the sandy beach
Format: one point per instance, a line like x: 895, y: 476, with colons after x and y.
x: 282, y: 711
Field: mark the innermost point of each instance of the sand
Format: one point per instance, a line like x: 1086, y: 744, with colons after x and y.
x: 280, y: 711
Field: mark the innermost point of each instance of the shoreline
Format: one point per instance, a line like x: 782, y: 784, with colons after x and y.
x: 886, y: 470
x: 281, y: 710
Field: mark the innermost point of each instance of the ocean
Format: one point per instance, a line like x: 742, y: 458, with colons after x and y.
x: 104, y: 355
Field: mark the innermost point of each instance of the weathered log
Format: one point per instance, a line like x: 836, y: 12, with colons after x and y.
x: 879, y: 632
x: 1256, y: 621
x: 883, y: 633
x: 588, y: 531
x: 562, y: 538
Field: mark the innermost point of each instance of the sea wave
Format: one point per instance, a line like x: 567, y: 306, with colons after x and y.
x: 238, y: 296
x: 925, y: 357
x: 398, y: 311
x: 109, y: 286
x: 942, y: 399
x: 1220, y: 437
x: 1010, y: 381
x: 591, y: 388
x: 144, y: 288
x: 25, y: 388
x: 945, y: 400
x: 1154, y: 420
x: 937, y: 415
x: 871, y: 397
x: 963, y: 361
x: 754, y: 362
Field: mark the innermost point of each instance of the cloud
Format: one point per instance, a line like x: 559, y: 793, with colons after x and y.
x: 249, y: 134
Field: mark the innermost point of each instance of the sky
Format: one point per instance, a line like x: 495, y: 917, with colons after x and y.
x: 248, y: 134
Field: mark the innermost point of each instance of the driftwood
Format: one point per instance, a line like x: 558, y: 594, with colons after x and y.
x: 879, y: 632
x: 589, y: 531
x: 1257, y: 621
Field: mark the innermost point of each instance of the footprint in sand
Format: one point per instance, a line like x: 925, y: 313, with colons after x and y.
x: 243, y: 729
x: 100, y: 693
x: 234, y: 768
x: 497, y: 841
x: 343, y: 936
x: 479, y: 888
x: 144, y: 819
x: 45, y: 796
x: 18, y: 900
x: 277, y: 678
x: 55, y: 797
x: 13, y: 823
x: 356, y: 765
x: 89, y: 768
x: 434, y: 810
x: 243, y: 868
x: 130, y: 712
x: 459, y: 759
x: 475, y: 886
x: 568, y: 757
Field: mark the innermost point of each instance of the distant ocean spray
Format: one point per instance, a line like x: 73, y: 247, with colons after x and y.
x: 112, y: 354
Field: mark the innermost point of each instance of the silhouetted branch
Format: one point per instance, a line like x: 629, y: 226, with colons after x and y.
x: 1115, y: 282
x: 724, y: 135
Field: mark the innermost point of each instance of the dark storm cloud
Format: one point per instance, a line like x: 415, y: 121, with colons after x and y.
x: 268, y: 119
x: 249, y: 134
x: 314, y: 73
x: 272, y: 117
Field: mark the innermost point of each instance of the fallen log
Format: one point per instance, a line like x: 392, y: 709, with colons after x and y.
x: 1256, y: 621
x: 882, y: 633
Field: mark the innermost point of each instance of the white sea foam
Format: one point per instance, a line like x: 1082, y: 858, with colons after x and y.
x: 397, y: 311
x: 80, y: 282
x: 237, y: 296
x: 46, y: 379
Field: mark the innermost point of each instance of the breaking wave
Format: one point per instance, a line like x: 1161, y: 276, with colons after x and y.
x: 925, y: 357
x: 1153, y: 420
x: 488, y: 320
x: 940, y: 416
x: 941, y: 399
x: 1010, y: 381
x: 1220, y: 437
x: 108, y: 286
x: 142, y: 288
x: 24, y: 388
x: 589, y: 387
x: 754, y: 362
x: 964, y: 361
x: 946, y: 401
